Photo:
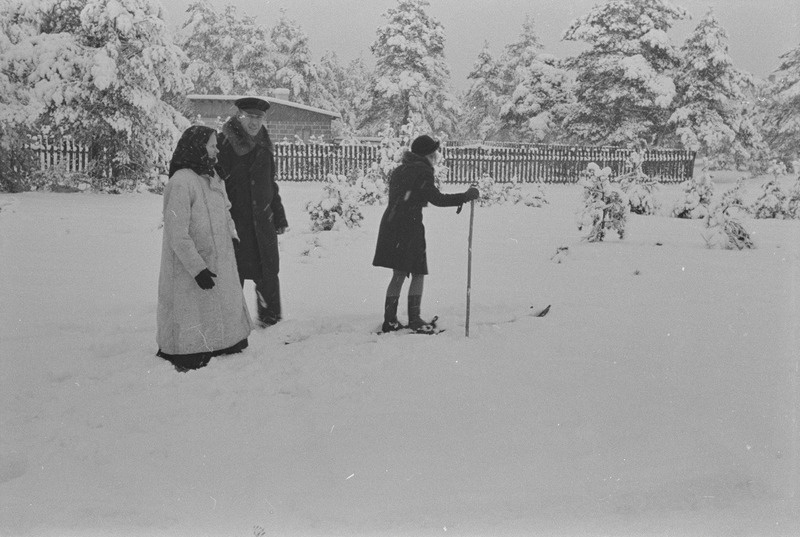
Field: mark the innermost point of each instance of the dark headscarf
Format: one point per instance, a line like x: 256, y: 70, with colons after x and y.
x: 191, y: 152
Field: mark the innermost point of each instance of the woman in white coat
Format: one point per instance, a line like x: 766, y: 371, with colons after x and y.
x: 201, y: 307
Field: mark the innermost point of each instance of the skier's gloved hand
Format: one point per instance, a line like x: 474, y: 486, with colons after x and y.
x: 205, y: 279
x: 472, y: 193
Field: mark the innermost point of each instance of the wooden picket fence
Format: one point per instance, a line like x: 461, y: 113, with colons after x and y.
x: 526, y: 163
x: 467, y: 163
x: 558, y: 163
x: 64, y: 153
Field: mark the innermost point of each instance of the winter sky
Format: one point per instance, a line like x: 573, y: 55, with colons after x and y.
x: 759, y: 31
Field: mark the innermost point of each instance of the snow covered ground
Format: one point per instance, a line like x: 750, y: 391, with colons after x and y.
x: 658, y: 397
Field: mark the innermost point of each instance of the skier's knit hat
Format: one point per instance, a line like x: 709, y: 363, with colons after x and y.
x: 252, y: 104
x: 424, y: 145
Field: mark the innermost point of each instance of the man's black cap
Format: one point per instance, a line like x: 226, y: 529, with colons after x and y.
x: 251, y: 103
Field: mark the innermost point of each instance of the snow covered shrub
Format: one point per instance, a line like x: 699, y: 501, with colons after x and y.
x: 494, y: 193
x: 639, y: 187
x: 793, y: 200
x: 336, y: 207
x: 724, y: 228
x: 726, y: 232
x: 534, y: 199
x: 732, y: 199
x: 57, y: 178
x: 697, y: 195
x: 772, y: 201
x: 606, y: 205
x: 17, y: 163
x: 343, y: 197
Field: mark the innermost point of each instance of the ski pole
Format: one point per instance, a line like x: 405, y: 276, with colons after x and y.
x: 469, y: 263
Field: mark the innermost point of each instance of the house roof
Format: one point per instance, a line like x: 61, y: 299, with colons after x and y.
x: 271, y: 100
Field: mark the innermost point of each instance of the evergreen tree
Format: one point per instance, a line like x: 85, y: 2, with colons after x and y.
x: 481, y: 111
x: 782, y: 121
x: 100, y: 72
x: 624, y: 87
x: 227, y: 54
x: 344, y: 89
x: 605, y: 204
x: 638, y: 186
x: 710, y: 103
x: 411, y: 72
x: 697, y: 195
x: 292, y: 57
x: 724, y: 227
x: 536, y: 90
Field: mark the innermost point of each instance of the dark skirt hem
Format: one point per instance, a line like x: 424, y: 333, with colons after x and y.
x: 187, y: 362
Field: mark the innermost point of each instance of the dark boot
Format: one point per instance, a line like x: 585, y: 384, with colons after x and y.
x: 268, y: 301
x: 415, y: 322
x: 390, y: 322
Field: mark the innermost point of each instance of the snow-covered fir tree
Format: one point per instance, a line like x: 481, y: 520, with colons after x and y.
x: 411, y: 74
x: 98, y: 71
x: 793, y: 198
x: 295, y: 69
x: 605, y: 204
x: 343, y: 88
x: 723, y: 224
x: 228, y: 54
x: 782, y: 121
x: 638, y: 186
x: 711, y: 102
x: 624, y: 88
x: 481, y: 110
x: 771, y: 202
x: 536, y: 92
x: 697, y: 195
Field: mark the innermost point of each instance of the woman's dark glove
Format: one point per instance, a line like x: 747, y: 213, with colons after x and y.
x: 472, y: 193
x: 205, y: 279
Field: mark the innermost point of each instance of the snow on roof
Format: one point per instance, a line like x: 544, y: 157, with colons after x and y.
x: 196, y: 97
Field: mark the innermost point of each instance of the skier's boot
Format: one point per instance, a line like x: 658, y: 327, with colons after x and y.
x: 415, y: 322
x: 390, y: 322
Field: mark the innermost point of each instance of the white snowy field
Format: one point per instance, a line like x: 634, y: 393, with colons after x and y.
x: 659, y: 397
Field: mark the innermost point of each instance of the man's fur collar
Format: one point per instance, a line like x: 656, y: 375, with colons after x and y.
x: 241, y: 142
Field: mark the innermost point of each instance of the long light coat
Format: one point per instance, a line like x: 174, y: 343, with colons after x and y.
x: 198, y: 234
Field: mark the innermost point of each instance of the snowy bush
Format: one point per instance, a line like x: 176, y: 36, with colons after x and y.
x: 606, y: 205
x: 793, y: 200
x: 534, y: 199
x: 57, y: 178
x: 17, y: 162
x: 371, y: 186
x: 494, y: 193
x: 697, y: 195
x: 638, y: 186
x: 343, y: 197
x: 725, y: 230
x: 772, y: 201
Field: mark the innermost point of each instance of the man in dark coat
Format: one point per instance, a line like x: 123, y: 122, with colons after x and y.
x: 401, y: 237
x: 247, y: 165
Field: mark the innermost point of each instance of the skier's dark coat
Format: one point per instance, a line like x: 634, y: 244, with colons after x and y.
x: 401, y: 237
x: 247, y: 166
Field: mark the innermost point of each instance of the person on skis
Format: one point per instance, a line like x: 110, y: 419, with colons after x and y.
x: 401, y: 236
